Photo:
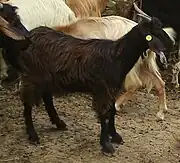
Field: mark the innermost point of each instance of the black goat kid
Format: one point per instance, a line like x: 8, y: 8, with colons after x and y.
x: 55, y: 62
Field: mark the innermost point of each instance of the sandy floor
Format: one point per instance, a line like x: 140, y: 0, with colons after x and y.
x: 147, y: 140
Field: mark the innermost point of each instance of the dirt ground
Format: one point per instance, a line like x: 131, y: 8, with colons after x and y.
x: 147, y: 140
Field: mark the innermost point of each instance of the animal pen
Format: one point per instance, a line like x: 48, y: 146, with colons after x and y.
x: 146, y: 138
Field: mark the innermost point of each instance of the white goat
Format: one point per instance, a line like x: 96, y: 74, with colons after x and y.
x: 175, y: 75
x: 34, y: 13
x: 144, y: 73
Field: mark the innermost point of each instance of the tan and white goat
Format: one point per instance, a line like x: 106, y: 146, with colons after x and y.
x: 144, y: 73
x: 87, y: 8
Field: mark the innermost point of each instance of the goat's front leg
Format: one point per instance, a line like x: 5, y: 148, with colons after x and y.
x: 108, y: 129
x: 175, y: 71
x: 33, y: 137
x: 3, y: 68
x: 106, y: 114
x: 178, y: 50
x: 101, y: 96
x: 123, y: 98
x: 160, y: 87
x: 104, y: 137
x: 49, y: 106
x: 116, y: 138
x: 175, y: 80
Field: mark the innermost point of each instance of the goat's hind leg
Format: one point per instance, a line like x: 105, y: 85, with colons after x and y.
x: 33, y: 137
x: 49, y: 106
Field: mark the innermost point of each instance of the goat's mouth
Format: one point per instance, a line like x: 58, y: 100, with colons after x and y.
x: 162, y: 57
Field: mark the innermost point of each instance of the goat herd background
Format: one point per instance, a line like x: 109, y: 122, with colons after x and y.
x: 89, y: 81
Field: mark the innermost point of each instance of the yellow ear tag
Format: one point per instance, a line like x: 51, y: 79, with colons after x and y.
x: 148, y: 37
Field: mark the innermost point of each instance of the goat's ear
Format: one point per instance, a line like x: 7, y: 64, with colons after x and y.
x: 13, y: 33
x: 10, y: 31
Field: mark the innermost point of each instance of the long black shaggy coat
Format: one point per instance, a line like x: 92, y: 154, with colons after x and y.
x: 55, y: 62
x: 63, y: 63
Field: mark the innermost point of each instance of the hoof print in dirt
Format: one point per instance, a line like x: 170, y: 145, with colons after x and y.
x: 117, y: 139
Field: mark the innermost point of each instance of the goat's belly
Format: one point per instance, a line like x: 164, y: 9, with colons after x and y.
x: 72, y: 88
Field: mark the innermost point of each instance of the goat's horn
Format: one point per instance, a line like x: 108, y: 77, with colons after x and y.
x: 141, y: 12
x: 1, y: 5
x: 144, y: 16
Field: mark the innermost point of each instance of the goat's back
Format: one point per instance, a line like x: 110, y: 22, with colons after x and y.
x: 108, y: 27
x: 34, y: 13
x: 87, y: 8
x: 57, y: 53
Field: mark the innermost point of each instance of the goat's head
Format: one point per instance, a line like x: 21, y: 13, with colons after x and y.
x: 10, y: 31
x: 8, y: 12
x: 10, y: 25
x: 158, y: 40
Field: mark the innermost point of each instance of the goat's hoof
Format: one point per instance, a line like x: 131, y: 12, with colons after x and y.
x: 165, y: 109
x: 177, y: 86
x: 33, y: 138
x: 117, y: 139
x: 160, y: 115
x: 117, y: 107
x: 61, y: 125
x: 98, y: 121
x: 108, y: 148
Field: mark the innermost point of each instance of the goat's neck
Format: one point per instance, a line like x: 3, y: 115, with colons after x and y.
x: 131, y: 47
x: 12, y: 48
x: 20, y: 26
x: 12, y: 52
x: 10, y: 44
